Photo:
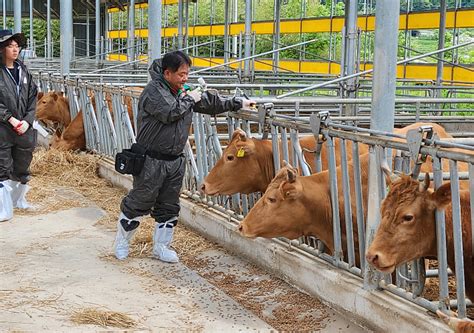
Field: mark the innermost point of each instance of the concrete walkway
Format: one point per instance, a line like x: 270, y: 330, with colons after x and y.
x: 55, y: 264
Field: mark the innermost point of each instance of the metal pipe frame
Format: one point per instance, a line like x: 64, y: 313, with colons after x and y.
x: 226, y: 30
x: 441, y: 37
x: 331, y: 130
x: 16, y: 16
x: 276, y: 33
x: 97, y: 31
x: 154, y: 24
x: 371, y: 70
x: 4, y: 14
x: 247, y: 58
x: 180, y: 24
x: 32, y: 38
x: 247, y: 38
x: 131, y: 31
x: 66, y: 36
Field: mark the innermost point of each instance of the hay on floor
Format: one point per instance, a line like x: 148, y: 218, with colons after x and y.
x: 91, y: 316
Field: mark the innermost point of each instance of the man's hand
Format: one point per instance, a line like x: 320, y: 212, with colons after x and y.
x: 14, y: 122
x: 248, y: 104
x: 195, y: 94
x: 22, y: 127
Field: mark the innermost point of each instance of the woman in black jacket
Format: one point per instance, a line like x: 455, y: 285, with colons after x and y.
x: 17, y: 113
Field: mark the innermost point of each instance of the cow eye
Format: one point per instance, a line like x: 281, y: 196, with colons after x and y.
x: 271, y: 199
x: 230, y: 157
x: 407, y: 218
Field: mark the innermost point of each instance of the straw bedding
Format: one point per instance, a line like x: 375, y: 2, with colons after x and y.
x: 93, y: 316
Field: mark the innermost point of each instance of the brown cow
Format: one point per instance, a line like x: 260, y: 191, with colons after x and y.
x: 73, y: 137
x: 458, y: 325
x: 127, y: 101
x: 407, y: 230
x: 252, y: 170
x: 52, y: 108
x: 295, y: 206
x: 442, y: 134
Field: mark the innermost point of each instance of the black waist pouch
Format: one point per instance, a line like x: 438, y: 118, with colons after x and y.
x: 130, y: 161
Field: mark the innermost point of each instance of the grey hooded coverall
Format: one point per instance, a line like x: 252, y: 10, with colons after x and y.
x: 19, y: 101
x: 164, y: 120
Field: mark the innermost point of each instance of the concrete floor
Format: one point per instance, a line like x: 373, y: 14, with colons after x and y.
x: 55, y: 264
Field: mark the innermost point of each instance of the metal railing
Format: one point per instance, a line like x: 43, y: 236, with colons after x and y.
x: 109, y: 129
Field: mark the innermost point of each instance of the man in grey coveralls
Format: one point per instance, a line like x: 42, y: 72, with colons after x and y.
x: 165, y: 111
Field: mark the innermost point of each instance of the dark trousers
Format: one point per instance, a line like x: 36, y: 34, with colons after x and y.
x: 156, y: 190
x: 16, y: 153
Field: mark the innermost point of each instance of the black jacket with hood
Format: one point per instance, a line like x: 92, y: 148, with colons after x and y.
x: 22, y: 106
x: 164, y: 118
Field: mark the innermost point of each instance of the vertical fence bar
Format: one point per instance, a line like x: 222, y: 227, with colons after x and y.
x: 336, y: 223
x: 457, y: 237
x: 359, y: 203
x: 441, y: 239
x: 347, y: 204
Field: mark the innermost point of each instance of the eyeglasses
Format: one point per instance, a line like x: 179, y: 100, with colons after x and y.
x: 13, y: 45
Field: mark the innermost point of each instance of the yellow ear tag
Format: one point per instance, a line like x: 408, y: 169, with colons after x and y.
x: 240, y: 152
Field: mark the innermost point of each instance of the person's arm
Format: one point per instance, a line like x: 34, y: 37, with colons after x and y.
x: 211, y: 103
x: 32, y: 95
x: 163, y: 106
x: 5, y: 114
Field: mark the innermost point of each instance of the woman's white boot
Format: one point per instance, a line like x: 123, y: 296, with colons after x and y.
x: 6, y: 203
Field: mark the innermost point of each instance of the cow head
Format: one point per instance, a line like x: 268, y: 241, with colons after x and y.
x: 53, y: 108
x: 238, y: 170
x: 280, y: 212
x: 407, y: 229
x: 72, y: 138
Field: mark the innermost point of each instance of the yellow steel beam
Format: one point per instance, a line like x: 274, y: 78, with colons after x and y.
x: 412, y: 71
x: 416, y: 21
x: 142, y: 5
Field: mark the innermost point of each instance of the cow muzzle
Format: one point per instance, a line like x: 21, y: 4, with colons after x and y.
x: 205, y: 188
x: 243, y: 230
x: 376, y: 260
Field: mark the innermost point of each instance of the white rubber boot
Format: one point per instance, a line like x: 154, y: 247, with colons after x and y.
x: 19, y: 195
x: 6, y: 204
x: 126, y: 228
x: 162, y: 238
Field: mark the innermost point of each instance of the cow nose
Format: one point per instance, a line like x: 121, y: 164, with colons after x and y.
x: 372, y: 258
x: 241, y: 228
x: 203, y: 188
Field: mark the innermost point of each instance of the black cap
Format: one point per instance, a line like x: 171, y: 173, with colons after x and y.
x: 6, y: 35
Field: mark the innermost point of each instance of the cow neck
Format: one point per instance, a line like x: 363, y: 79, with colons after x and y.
x: 264, y: 150
x: 467, y: 241
x: 318, y: 201
x: 62, y: 105
x: 465, y: 216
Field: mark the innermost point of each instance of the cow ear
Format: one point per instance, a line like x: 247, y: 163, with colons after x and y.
x: 291, y: 174
x: 389, y: 175
x: 55, y: 96
x: 40, y: 95
x: 288, y: 190
x: 239, y: 134
x: 442, y: 196
x: 426, y: 183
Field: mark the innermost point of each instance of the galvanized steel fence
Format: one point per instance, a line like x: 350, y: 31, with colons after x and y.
x: 109, y: 129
